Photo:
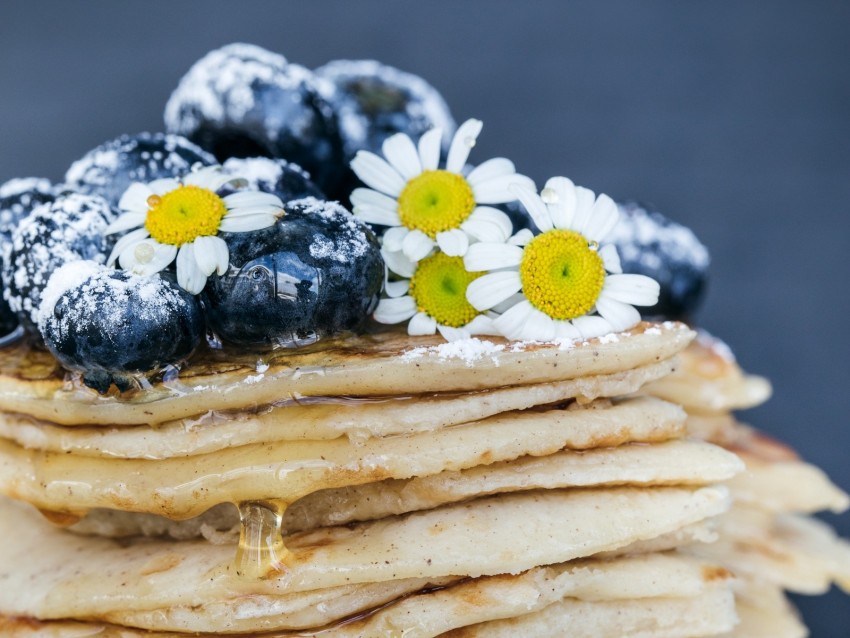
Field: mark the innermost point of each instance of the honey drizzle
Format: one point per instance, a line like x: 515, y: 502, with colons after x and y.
x: 261, y: 553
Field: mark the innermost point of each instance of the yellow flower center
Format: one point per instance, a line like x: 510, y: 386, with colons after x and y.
x: 184, y: 214
x: 435, y: 201
x: 439, y: 288
x: 562, y: 275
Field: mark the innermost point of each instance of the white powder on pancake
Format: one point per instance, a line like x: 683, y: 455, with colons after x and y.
x: 468, y: 350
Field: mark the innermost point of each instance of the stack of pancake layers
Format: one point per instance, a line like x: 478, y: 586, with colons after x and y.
x: 390, y: 486
x: 768, y: 537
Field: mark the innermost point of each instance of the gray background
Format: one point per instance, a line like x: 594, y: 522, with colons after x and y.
x: 731, y: 117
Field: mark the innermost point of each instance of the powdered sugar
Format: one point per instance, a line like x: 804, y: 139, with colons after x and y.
x: 467, y: 350
x: 348, y: 241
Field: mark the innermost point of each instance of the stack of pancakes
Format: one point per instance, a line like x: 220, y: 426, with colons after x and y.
x: 377, y: 486
x: 767, y: 537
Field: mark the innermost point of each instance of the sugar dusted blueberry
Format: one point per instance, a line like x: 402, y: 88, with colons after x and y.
x: 244, y: 101
x: 112, y: 326
x: 650, y: 244
x: 19, y: 197
x: 284, y: 179
x: 111, y: 167
x: 373, y: 101
x: 68, y: 229
x: 317, y: 272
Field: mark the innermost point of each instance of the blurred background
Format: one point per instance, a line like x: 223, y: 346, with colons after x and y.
x: 730, y: 117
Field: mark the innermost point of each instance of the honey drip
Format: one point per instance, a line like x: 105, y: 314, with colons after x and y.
x: 261, y: 553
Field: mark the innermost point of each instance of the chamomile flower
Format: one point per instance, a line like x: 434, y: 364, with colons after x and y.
x: 181, y: 219
x: 434, y: 299
x: 566, y: 282
x: 426, y: 206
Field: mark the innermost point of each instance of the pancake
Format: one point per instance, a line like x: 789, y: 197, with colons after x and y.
x: 710, y: 381
x: 670, y: 463
x: 183, y: 487
x: 707, y: 611
x: 71, y: 576
x: 378, y: 365
x: 708, y: 614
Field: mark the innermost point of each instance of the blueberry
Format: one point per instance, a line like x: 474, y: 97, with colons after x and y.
x: 111, y: 167
x: 315, y: 273
x: 243, y: 101
x: 68, y: 229
x: 373, y: 101
x: 113, y: 326
x: 18, y: 198
x: 651, y: 244
x: 285, y: 179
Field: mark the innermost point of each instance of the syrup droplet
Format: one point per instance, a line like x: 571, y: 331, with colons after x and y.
x: 261, y: 551
x: 469, y: 141
x: 154, y: 200
x: 144, y: 253
x: 549, y: 196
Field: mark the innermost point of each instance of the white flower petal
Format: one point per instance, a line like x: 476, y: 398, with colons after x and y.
x: 462, y: 143
x: 603, y: 217
x: 492, y: 289
x: 429, y: 149
x: 562, y: 193
x: 584, y: 208
x: 246, y: 223
x: 421, y: 324
x: 189, y: 276
x: 249, y: 199
x: 638, y: 290
x: 453, y: 334
x: 592, y: 326
x: 508, y: 303
x: 491, y: 256
x: 163, y: 255
x: 373, y: 207
x: 512, y: 323
x: 566, y: 330
x: 488, y: 224
x: 453, y: 242
x: 534, y: 205
x: 538, y: 326
x: 210, y: 178
x: 610, y: 258
x: 522, y: 238
x: 398, y: 263
x: 621, y: 316
x: 126, y: 222
x: 135, y: 198
x: 210, y: 253
x: 481, y: 325
x: 377, y: 173
x: 164, y: 185
x: 402, y: 156
x: 393, y: 239
x: 132, y: 237
x: 243, y: 211
x: 416, y: 245
x: 395, y: 310
x: 491, y: 169
x: 397, y: 288
x: 500, y: 189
